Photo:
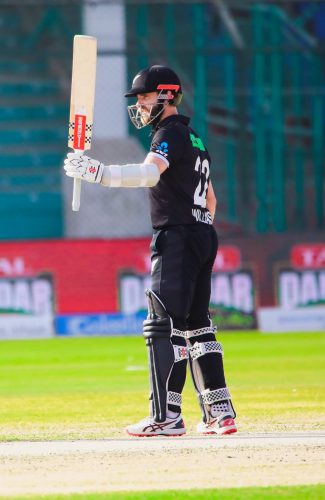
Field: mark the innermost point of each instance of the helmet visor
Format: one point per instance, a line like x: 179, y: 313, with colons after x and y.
x: 140, y: 116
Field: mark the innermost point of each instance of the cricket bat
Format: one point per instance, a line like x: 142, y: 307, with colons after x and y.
x: 83, y: 82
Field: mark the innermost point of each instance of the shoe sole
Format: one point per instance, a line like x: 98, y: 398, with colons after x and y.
x: 229, y: 430
x: 165, y: 434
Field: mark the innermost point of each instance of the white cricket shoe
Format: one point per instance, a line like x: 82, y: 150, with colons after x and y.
x: 221, y: 425
x: 148, y: 427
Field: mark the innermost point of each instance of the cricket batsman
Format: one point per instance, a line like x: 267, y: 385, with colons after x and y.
x: 178, y: 328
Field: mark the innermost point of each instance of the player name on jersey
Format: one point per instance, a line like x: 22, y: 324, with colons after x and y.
x: 200, y: 216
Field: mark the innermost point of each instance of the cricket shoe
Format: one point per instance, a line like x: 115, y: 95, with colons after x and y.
x: 221, y: 425
x: 148, y: 427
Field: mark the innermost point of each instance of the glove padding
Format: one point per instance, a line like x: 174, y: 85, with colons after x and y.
x: 83, y: 167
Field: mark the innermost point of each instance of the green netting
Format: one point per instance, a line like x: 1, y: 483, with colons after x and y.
x: 253, y: 78
x: 35, y: 43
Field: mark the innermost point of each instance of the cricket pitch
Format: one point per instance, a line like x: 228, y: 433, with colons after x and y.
x: 162, y: 463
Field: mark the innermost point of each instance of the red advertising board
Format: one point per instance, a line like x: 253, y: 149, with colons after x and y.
x: 311, y: 256
x: 228, y: 259
x: 96, y: 277
x: 87, y: 273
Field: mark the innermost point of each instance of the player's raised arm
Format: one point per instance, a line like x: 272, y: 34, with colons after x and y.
x: 128, y: 175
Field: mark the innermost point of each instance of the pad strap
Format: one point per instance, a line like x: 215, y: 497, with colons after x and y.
x: 201, y: 331
x: 209, y: 397
x: 187, y: 334
x: 179, y: 333
x: 174, y: 398
x: 202, y: 348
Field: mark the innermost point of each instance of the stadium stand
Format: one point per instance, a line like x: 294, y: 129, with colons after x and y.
x: 33, y: 126
x: 253, y: 79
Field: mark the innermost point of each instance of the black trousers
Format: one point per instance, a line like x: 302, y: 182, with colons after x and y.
x: 182, y: 258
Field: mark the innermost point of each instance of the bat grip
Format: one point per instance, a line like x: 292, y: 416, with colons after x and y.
x: 76, y: 190
x: 76, y: 194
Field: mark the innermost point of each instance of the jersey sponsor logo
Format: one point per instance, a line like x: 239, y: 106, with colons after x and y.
x: 197, y: 143
x: 201, y: 216
x: 161, y: 148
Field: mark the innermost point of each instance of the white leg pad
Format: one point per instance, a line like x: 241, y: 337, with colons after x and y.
x: 202, y: 348
x: 211, y: 401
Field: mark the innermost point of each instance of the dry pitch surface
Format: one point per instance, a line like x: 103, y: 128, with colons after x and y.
x: 162, y: 463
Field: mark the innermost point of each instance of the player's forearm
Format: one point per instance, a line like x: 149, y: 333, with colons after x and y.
x: 130, y: 175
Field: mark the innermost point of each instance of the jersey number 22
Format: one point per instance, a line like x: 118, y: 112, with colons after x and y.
x: 200, y: 195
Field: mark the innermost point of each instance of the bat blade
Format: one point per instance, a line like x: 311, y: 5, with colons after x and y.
x: 83, y: 83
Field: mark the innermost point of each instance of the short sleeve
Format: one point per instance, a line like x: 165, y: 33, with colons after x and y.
x: 167, y: 144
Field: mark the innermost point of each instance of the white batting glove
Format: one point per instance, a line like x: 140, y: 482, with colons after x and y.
x: 83, y: 167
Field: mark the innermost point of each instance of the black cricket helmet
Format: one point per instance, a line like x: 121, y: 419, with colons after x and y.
x: 160, y: 79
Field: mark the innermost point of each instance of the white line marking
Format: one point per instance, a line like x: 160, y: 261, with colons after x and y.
x: 43, y: 448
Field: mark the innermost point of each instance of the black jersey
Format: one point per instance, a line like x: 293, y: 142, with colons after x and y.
x: 180, y: 195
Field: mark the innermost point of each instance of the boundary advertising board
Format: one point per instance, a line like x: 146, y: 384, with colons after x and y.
x: 97, y: 286
x: 299, y: 291
x: 26, y: 306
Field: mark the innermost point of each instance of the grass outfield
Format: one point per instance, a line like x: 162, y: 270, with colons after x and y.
x: 316, y: 492
x: 80, y: 388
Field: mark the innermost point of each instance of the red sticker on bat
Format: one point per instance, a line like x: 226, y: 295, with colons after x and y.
x: 79, y: 132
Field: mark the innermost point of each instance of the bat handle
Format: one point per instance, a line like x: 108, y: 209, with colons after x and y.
x: 76, y: 195
x: 76, y: 189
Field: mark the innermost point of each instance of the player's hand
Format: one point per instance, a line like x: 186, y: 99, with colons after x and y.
x: 83, y: 167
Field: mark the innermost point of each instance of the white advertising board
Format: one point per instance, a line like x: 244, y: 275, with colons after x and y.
x: 26, y: 307
x: 19, y: 326
x: 279, y: 319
